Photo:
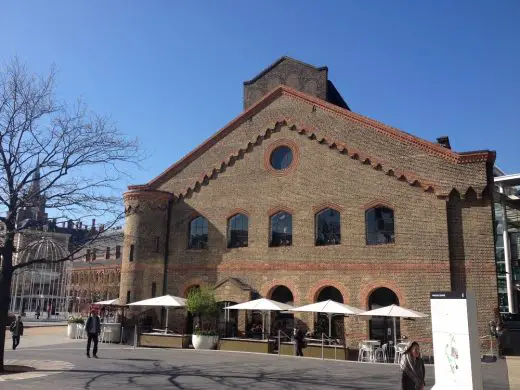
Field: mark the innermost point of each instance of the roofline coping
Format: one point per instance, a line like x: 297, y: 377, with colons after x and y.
x: 431, y: 147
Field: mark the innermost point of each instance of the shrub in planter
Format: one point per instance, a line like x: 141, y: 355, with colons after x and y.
x: 74, y: 326
x: 202, y: 304
x: 76, y: 320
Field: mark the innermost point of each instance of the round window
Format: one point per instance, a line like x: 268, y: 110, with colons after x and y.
x: 281, y: 157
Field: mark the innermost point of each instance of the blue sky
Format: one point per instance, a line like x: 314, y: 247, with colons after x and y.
x: 171, y: 72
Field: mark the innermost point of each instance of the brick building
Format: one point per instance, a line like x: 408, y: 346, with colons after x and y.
x: 95, y: 271
x: 299, y: 199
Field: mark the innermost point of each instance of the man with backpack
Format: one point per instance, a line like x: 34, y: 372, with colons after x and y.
x: 16, y: 329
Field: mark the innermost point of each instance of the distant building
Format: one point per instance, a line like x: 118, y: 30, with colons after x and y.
x: 43, y: 286
x: 95, y: 272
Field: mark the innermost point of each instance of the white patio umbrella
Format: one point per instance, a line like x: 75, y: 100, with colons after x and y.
x: 330, y: 308
x: 166, y: 301
x: 393, y: 311
x: 263, y: 305
x: 110, y: 302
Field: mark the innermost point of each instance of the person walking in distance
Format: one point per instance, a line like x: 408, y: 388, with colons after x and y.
x: 92, y: 328
x: 299, y: 342
x: 16, y: 329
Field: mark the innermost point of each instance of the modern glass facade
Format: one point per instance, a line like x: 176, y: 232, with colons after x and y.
x: 513, y: 229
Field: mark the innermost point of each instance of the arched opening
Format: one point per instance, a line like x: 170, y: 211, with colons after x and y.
x: 283, y: 322
x: 228, y: 320
x: 321, y: 326
x: 282, y: 294
x: 382, y: 328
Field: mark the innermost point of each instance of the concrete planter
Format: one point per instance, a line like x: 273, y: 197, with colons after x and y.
x: 204, y: 342
x: 72, y: 330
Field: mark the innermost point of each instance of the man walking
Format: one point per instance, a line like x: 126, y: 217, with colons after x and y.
x: 16, y: 329
x: 93, y: 328
x: 299, y: 341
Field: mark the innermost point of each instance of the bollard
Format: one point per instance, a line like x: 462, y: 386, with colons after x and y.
x: 135, y: 336
x: 278, y: 342
x: 322, y: 343
x: 121, y: 338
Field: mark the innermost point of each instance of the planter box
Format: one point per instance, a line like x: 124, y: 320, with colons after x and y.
x: 245, y: 345
x: 315, y: 351
x: 164, y: 340
x: 204, y: 342
x: 74, y: 330
x: 71, y: 331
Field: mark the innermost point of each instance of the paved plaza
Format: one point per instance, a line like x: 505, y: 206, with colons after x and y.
x: 66, y: 367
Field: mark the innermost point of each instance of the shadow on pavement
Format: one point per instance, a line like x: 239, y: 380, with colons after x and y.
x: 175, y: 376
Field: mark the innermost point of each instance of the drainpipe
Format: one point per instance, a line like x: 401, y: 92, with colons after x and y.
x: 166, y: 247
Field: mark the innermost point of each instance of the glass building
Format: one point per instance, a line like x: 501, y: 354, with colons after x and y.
x: 507, y: 240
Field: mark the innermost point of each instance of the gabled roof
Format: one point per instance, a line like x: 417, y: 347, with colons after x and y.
x: 237, y: 282
x: 280, y: 60
x: 387, y: 131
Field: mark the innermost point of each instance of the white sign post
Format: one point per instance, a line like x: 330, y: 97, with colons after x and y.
x: 456, y: 347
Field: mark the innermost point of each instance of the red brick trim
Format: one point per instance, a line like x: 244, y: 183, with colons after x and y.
x: 315, y: 290
x: 268, y: 288
x: 195, y: 214
x: 379, y: 165
x: 376, y: 203
x: 191, y: 283
x: 368, y: 289
x: 236, y: 211
x: 327, y: 205
x: 147, y: 194
x: 277, y: 209
x: 295, y: 160
x: 430, y: 147
x: 438, y: 267
x: 282, y: 90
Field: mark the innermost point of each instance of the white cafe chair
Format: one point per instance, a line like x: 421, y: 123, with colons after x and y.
x: 365, y: 353
x: 106, y: 335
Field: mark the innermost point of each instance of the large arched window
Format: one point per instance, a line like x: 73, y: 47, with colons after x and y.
x: 328, y: 230
x: 379, y: 222
x: 281, y: 229
x: 198, y: 235
x: 238, y: 226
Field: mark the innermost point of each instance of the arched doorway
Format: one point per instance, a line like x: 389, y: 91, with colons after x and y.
x: 228, y: 320
x: 382, y: 328
x: 321, y: 325
x: 282, y: 321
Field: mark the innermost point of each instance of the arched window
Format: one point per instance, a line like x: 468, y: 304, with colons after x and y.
x: 281, y: 229
x: 238, y: 226
x: 328, y: 229
x: 379, y: 222
x: 198, y: 235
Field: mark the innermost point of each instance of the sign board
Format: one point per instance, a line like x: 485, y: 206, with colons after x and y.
x: 456, y: 346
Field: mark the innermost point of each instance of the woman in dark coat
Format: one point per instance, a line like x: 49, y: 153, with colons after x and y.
x: 412, y: 367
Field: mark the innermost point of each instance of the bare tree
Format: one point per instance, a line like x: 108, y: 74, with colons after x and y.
x: 66, y: 157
